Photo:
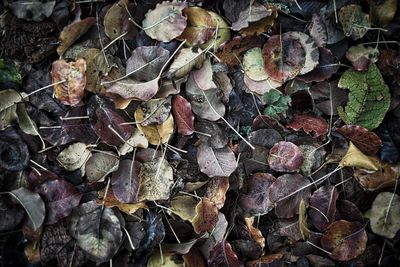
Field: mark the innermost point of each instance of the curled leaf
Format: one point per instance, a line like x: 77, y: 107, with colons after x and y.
x: 74, y: 156
x: 368, y: 142
x: 355, y: 158
x: 310, y: 124
x: 206, y: 216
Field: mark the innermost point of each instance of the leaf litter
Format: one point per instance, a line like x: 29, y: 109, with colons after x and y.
x: 199, y: 133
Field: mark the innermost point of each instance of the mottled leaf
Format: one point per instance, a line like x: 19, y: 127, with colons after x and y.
x: 222, y: 254
x: 206, y: 216
x: 74, y: 156
x: 285, y: 157
x: 185, y: 61
x: 216, y: 190
x: 100, y: 165
x: 317, y: 126
x: 355, y: 22
x: 361, y: 56
x: 216, y: 161
x: 368, y: 142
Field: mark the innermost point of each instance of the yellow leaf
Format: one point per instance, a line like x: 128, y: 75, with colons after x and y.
x: 305, y: 233
x: 158, y: 133
x: 355, y: 158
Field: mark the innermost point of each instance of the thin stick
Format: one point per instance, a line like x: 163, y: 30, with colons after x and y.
x: 317, y: 247
x: 74, y: 118
x: 101, y: 41
x: 335, y: 11
x: 382, y: 250
x: 201, y: 133
x: 192, y: 195
x: 37, y: 164
x: 175, y: 148
x: 113, y: 41
x: 172, y: 229
x: 45, y: 87
x: 106, y: 192
x: 391, y: 201
x: 50, y: 127
x: 129, y: 238
x: 319, y: 211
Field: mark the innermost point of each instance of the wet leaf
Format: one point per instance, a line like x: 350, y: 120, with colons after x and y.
x: 71, y: 91
x: 255, y: 201
x: 355, y: 158
x: 165, y: 22
x: 73, y: 32
x: 322, y: 209
x: 285, y: 185
x: 310, y: 124
x: 206, y: 216
x: 100, y: 165
x: 216, y: 161
x: 285, y: 157
x: 182, y: 111
x: 384, y: 214
x: 185, y: 61
x: 369, y: 98
x: 201, y: 26
x: 346, y: 240
x: 32, y: 10
x: 60, y: 198
x: 355, y: 22
x: 33, y: 205
x: 216, y: 190
x: 156, y: 180
x: 368, y: 142
x: 275, y: 103
x: 97, y: 230
x: 116, y: 21
x: 125, y: 181
x: 223, y: 255
x: 361, y: 56
x: 74, y: 156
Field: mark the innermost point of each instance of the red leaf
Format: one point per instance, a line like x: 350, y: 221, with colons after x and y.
x: 206, y: 216
x: 323, y: 206
x: 368, y: 142
x: 285, y: 157
x: 309, y: 124
x: 222, y: 254
x: 183, y: 115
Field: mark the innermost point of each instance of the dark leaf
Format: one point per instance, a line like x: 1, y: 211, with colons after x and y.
x: 14, y: 154
x: 182, y: 111
x: 322, y: 208
x: 367, y: 142
x: 285, y: 157
x: 125, y: 181
x: 223, y: 255
x: 310, y: 124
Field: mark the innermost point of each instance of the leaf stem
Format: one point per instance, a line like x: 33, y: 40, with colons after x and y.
x: 45, y: 87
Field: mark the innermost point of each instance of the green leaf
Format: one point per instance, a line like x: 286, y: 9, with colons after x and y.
x: 9, y: 73
x: 369, y: 97
x: 275, y: 103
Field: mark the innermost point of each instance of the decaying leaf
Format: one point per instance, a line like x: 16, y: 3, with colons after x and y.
x: 385, y: 214
x: 304, y: 231
x: 375, y: 180
x: 203, y: 77
x: 32, y: 10
x: 216, y: 161
x: 345, y: 240
x: 166, y: 21
x: 285, y: 157
x: 354, y: 21
x: 100, y: 165
x: 156, y: 180
x: 71, y: 91
x: 369, y: 98
x: 185, y: 61
x: 8, y: 108
x: 96, y: 229
x: 136, y: 140
x: 182, y: 111
x: 216, y: 190
x: 310, y: 124
x: 361, y: 56
x: 111, y: 201
x: 223, y: 255
x: 382, y: 12
x: 184, y: 206
x: 368, y: 142
x: 355, y: 158
x: 253, y: 63
x: 74, y: 156
x: 116, y: 21
x: 206, y: 216
x: 125, y: 181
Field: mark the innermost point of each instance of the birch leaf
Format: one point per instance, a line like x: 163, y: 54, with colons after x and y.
x: 369, y: 97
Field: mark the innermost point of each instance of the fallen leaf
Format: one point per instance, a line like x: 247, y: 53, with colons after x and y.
x: 216, y: 161
x: 370, y: 180
x: 33, y: 205
x: 361, y: 56
x: 384, y: 214
x: 285, y: 157
x: 156, y: 111
x: 136, y: 140
x: 74, y: 156
x: 132, y: 89
x: 156, y: 180
x: 368, y: 142
x: 185, y: 61
x: 216, y: 190
x: 165, y: 22
x: 164, y: 260
x: 317, y: 30
x: 275, y: 103
x: 204, y: 76
x: 215, y: 236
x: 322, y: 209
x: 222, y: 34
x: 100, y: 165
x: 116, y: 21
x: 72, y: 90
x: 14, y: 153
x: 382, y: 12
x: 355, y: 158
x: 32, y: 10
x: 184, y: 206
x: 355, y: 22
x: 253, y: 64
x: 206, y: 216
x: 183, y: 115
x: 253, y: 13
x: 369, y: 98
x: 222, y: 254
x: 345, y: 240
x: 97, y: 230
x: 310, y: 48
x: 111, y: 201
x: 125, y: 181
x: 271, y: 260
x: 254, y: 232
x: 310, y: 124
x: 194, y: 259
x: 304, y: 231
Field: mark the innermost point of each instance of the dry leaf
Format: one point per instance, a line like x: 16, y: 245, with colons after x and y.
x: 355, y: 158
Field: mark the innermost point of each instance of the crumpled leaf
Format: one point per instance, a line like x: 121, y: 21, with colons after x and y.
x: 201, y: 26
x: 33, y: 205
x: 318, y: 31
x: 345, y: 240
x: 74, y: 156
x: 32, y: 10
x: 368, y: 142
x: 322, y: 209
x: 382, y: 12
x: 222, y: 254
x: 73, y: 32
x: 100, y: 165
x: 255, y: 201
x: 384, y: 214
x: 253, y: 13
x: 355, y: 22
x: 216, y: 161
x: 361, y: 56
x: 310, y: 124
x: 156, y: 180
x: 285, y: 157
x: 275, y: 103
x: 185, y: 61
x: 72, y: 90
x: 284, y: 186
x: 125, y: 181
x: 97, y: 230
x: 369, y: 97
x: 165, y: 22
x: 182, y: 111
x: 60, y: 198
x: 206, y: 216
x: 136, y: 140
x: 156, y: 133
x: 355, y: 158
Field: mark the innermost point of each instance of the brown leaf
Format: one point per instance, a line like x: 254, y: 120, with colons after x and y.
x: 255, y: 233
x: 253, y: 13
x: 182, y: 111
x: 383, y: 178
x: 361, y: 56
x: 194, y: 259
x: 346, y: 240
x: 310, y: 124
x: 382, y: 12
x: 322, y: 209
x: 132, y: 89
x: 116, y: 21
x: 71, y: 91
x: 216, y: 190
x: 206, y: 216
x: 368, y: 142
x: 271, y: 260
x: 73, y: 32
